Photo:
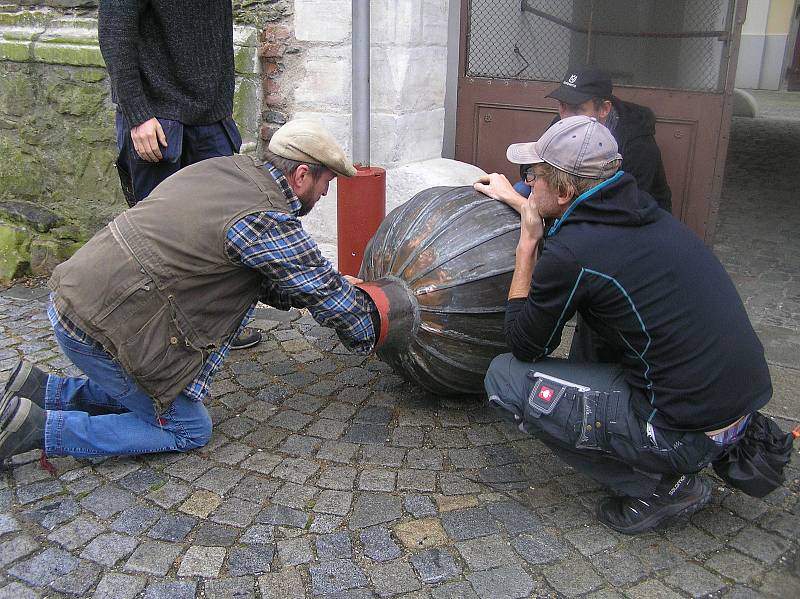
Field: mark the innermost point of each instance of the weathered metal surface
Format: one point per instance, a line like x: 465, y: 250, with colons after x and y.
x: 443, y: 263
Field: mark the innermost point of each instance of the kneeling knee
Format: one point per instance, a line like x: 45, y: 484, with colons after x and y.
x: 198, y: 435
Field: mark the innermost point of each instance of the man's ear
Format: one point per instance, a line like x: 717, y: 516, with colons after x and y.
x: 566, y: 195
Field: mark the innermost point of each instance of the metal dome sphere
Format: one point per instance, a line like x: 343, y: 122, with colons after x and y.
x: 439, y: 268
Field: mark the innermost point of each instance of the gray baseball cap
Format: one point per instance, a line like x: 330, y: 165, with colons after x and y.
x: 579, y: 145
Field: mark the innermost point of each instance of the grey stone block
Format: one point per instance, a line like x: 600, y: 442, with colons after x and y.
x: 219, y: 480
x: 13, y: 549
x: 337, y: 477
x: 51, y: 512
x: 16, y: 590
x: 573, y: 577
x: 419, y: 506
x: 258, y: 534
x: 242, y: 587
x: 153, y: 557
x: 293, y: 552
x: 379, y: 545
x: 236, y: 512
x: 762, y: 545
x: 76, y: 533
x: 416, y: 480
x: 515, y: 517
x: 487, y: 552
x: 250, y: 559
x: 141, y: 480
x: 294, y: 496
x: 592, y: 540
x: 285, y: 584
x: 37, y: 491
x: 108, y: 548
x: 171, y: 590
x: 374, y: 508
x: 374, y: 434
x: 42, y: 569
x: 172, y: 527
x: 620, y: 568
x: 334, y: 502
x: 283, y: 516
x: 205, y: 562
x: 393, y: 578
x: 694, y: 580
x: 391, y: 457
x: 468, y: 524
x: 502, y: 583
x: 119, y: 586
x: 334, y: 546
x: 215, y: 535
x: 296, y: 470
x: 337, y: 451
x: 539, y: 548
x: 454, y: 590
x: 377, y: 480
x: 435, y: 565
x: 136, y: 519
x: 336, y: 576
x: 79, y: 581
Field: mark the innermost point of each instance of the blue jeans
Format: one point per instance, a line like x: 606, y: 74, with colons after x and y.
x: 107, y: 414
x: 186, y: 144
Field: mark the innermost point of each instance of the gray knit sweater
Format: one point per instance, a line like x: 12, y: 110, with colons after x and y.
x: 169, y: 58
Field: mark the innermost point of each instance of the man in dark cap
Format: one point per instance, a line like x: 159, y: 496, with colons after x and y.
x: 148, y: 308
x: 587, y: 91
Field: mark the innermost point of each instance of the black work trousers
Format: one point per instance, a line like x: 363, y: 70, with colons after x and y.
x: 594, y: 431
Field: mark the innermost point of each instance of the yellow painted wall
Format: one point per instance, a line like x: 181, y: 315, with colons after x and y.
x: 780, y: 16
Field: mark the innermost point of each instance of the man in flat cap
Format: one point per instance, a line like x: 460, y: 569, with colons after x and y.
x: 148, y: 307
x: 691, y: 370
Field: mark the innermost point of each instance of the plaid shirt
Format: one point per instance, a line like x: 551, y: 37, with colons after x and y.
x: 296, y: 275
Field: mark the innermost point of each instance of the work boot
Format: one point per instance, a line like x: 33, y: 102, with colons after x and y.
x: 26, y: 381
x: 21, y: 427
x: 247, y: 338
x: 635, y: 515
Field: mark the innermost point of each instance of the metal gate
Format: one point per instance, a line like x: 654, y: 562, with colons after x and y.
x: 676, y: 57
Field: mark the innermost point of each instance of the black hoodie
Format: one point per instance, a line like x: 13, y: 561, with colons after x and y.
x: 641, y: 157
x: 649, y: 286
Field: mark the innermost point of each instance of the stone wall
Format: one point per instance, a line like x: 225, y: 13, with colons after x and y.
x: 58, y: 184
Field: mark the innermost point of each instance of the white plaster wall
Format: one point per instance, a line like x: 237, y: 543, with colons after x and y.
x: 408, y: 71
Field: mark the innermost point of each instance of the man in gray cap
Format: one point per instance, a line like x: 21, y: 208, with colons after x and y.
x: 691, y: 371
x: 148, y: 307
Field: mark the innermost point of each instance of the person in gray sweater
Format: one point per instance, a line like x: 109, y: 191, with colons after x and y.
x: 170, y: 63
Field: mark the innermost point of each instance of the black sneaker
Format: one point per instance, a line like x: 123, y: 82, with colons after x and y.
x: 635, y: 515
x: 247, y: 338
x: 21, y: 427
x: 26, y: 381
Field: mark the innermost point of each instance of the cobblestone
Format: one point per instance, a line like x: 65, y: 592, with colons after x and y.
x: 327, y: 475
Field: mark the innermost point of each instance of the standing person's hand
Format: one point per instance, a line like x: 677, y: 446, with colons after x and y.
x: 146, y: 139
x: 353, y: 280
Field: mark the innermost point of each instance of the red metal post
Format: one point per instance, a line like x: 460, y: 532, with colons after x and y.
x: 360, y: 206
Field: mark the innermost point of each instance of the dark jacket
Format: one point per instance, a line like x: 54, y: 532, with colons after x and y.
x: 169, y: 58
x: 156, y: 287
x: 641, y: 157
x: 650, y: 287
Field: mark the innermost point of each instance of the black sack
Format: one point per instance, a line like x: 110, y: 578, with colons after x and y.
x: 755, y: 463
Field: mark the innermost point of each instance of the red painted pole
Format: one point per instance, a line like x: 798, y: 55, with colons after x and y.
x: 360, y: 206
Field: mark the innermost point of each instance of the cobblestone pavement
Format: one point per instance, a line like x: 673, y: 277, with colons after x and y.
x: 327, y: 475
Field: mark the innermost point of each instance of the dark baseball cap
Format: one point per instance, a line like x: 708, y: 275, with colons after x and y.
x: 581, y: 84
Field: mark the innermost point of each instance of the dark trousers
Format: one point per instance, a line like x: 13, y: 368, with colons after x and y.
x: 186, y: 144
x: 596, y: 431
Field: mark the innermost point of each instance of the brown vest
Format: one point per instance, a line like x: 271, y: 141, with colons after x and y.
x: 155, y: 287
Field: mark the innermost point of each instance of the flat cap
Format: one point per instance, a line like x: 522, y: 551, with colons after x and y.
x: 306, y: 140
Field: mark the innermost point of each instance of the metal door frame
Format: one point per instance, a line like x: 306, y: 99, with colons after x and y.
x: 701, y: 209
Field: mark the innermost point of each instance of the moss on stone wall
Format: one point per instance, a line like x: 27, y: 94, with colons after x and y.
x: 57, y: 138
